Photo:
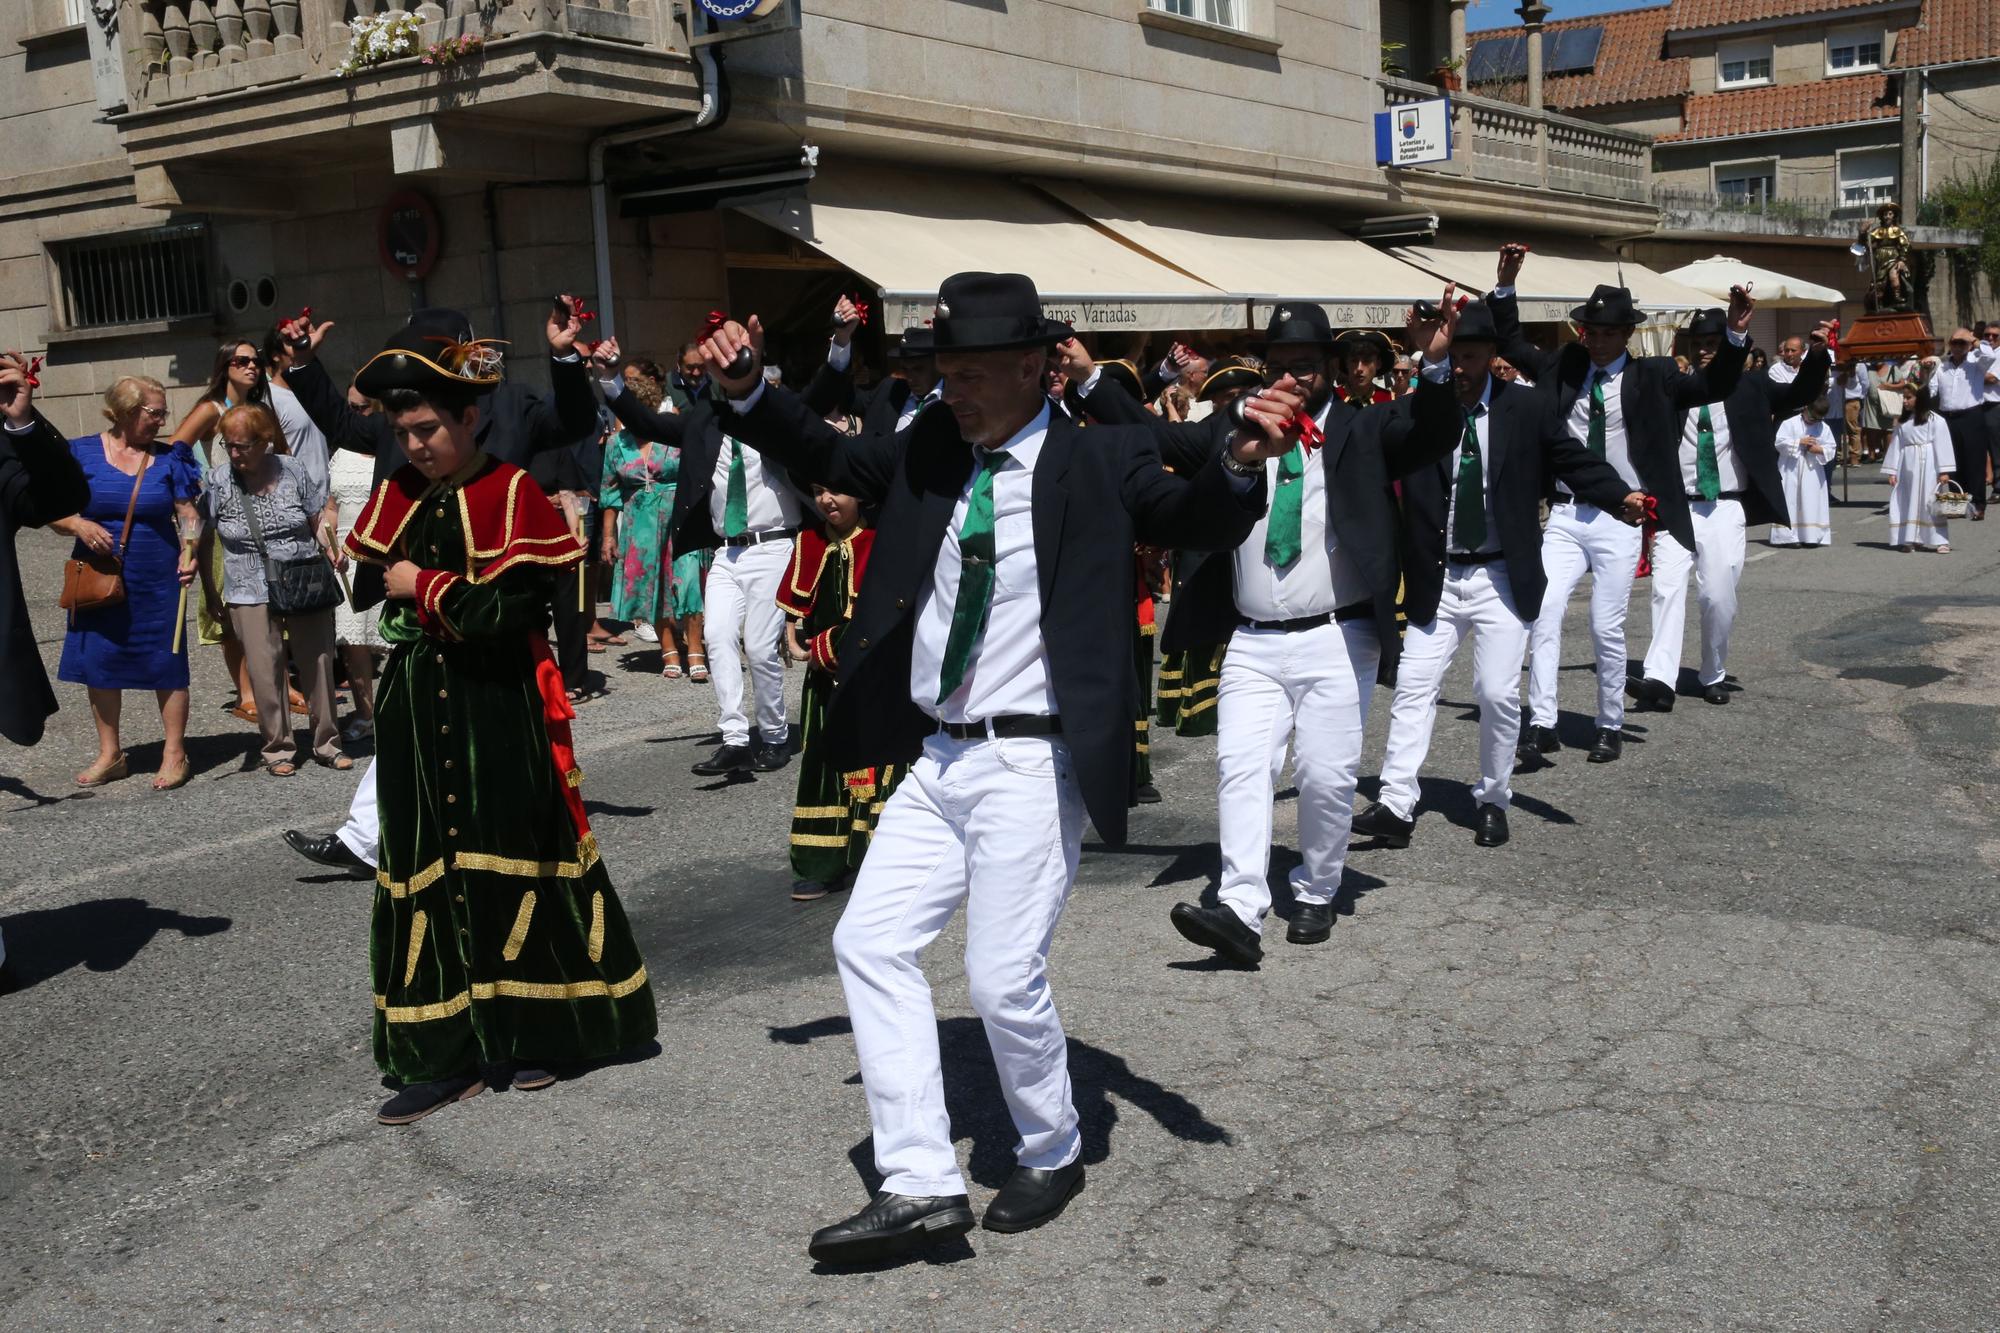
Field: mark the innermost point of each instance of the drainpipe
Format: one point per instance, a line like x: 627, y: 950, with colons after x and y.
x: 712, y: 104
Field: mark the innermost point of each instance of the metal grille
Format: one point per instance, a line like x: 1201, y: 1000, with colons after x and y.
x: 139, y: 277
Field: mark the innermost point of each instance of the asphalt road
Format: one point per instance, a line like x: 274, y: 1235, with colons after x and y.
x: 1710, y: 1044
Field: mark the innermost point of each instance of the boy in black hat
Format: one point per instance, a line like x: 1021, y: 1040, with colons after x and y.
x: 989, y: 650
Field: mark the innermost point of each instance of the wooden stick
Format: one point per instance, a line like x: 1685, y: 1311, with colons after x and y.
x: 180, y: 617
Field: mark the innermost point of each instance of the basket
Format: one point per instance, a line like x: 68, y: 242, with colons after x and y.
x: 1950, y: 501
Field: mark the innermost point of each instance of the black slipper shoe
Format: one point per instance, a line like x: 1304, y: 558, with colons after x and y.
x: 420, y: 1099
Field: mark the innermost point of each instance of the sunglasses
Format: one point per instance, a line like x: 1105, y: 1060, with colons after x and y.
x: 243, y: 362
x: 155, y: 413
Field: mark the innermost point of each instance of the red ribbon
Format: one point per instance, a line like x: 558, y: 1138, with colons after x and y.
x: 1833, y: 341
x: 1310, y: 435
x: 716, y: 319
x: 34, y: 364
x: 1649, y: 530
x: 860, y: 310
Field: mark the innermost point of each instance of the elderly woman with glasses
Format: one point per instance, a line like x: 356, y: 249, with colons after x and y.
x: 131, y: 644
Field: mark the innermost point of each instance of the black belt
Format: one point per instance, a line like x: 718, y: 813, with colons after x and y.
x: 1358, y: 611
x: 1480, y: 558
x: 759, y: 538
x: 1724, y: 495
x: 1003, y: 728
x: 1953, y: 413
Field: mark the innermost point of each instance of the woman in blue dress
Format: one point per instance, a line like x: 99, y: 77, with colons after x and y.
x: 130, y: 645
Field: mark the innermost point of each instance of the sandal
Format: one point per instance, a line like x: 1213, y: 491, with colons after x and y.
x: 283, y: 768
x: 245, y: 713
x: 177, y: 776
x: 337, y: 761
x: 100, y: 773
x: 1944, y: 549
x: 672, y: 671
x: 698, y: 668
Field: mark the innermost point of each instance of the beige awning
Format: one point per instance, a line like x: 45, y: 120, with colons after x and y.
x: 907, y: 231
x: 1264, y: 255
x: 1560, y: 273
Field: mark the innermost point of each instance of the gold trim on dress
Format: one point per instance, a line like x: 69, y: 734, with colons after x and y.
x: 419, y: 924
x: 596, y: 945
x: 518, y: 936
x: 423, y: 1013
x: 820, y: 840
x: 586, y: 857
x: 511, y: 990
x: 1201, y: 707
x: 820, y: 811
x: 416, y: 883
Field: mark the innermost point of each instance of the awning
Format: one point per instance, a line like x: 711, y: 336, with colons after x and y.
x: 1772, y: 291
x: 908, y: 231
x: 1559, y: 274
x: 1263, y: 255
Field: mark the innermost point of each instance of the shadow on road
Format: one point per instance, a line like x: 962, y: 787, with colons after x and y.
x: 103, y: 935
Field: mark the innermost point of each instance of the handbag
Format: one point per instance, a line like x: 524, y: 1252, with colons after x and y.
x: 293, y: 587
x: 97, y: 578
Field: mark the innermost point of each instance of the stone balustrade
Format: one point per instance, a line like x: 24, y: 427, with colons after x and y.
x: 1510, y: 144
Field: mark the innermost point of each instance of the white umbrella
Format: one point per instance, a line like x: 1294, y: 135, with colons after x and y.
x: 1773, y: 291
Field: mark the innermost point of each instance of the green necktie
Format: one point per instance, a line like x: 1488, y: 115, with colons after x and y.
x: 975, y: 578
x: 1468, y: 524
x: 1282, y: 542
x: 1707, y: 479
x: 1596, y: 440
x: 736, y: 506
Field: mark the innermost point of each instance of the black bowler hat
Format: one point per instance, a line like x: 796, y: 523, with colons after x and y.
x: 992, y: 312
x: 435, y: 350
x: 1475, y: 325
x: 1227, y: 375
x: 1709, y: 323
x: 1610, y: 306
x: 1299, y: 322
x: 1351, y: 340
x: 915, y: 346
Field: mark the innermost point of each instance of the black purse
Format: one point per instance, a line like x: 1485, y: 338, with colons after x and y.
x: 293, y: 587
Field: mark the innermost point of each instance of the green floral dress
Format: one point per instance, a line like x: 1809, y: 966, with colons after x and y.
x: 639, y: 482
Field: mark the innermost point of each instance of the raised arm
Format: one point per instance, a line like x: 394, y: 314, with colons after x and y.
x: 1531, y: 360
x: 40, y: 480
x: 780, y: 426
x: 1788, y: 399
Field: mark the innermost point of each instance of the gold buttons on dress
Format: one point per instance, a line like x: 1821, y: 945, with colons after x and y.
x: 451, y: 833
x: 460, y: 897
x: 447, y: 763
x: 445, y: 728
x: 451, y: 798
x: 440, y: 659
x: 441, y: 694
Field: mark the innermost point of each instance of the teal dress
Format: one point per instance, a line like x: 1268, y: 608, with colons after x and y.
x: 639, y: 482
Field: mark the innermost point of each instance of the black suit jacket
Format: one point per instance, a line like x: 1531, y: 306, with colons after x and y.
x: 879, y: 407
x: 1366, y: 449
x: 1096, y: 493
x: 1651, y: 393
x: 1754, y: 408
x: 515, y: 424
x: 40, y: 482
x: 1527, y: 446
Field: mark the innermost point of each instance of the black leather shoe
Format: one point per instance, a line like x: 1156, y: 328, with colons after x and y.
x: 1610, y: 744
x: 328, y: 851
x: 1311, y: 923
x: 1031, y: 1197
x: 1380, y: 823
x: 727, y: 759
x: 420, y: 1099
x: 1219, y: 929
x: 890, y: 1225
x: 1491, y: 828
x: 1650, y: 694
x: 1715, y: 693
x: 1543, y: 739
x: 1147, y: 794
x: 766, y: 757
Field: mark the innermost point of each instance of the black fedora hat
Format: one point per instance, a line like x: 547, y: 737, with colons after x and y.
x: 1475, y: 325
x: 435, y: 350
x: 991, y: 312
x: 1228, y: 375
x: 1709, y: 323
x: 1609, y: 305
x: 1299, y: 322
x: 1351, y: 339
x: 916, y: 344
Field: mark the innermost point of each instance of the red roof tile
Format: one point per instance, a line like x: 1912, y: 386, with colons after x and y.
x: 1721, y: 13
x: 1790, y: 106
x: 1950, y: 31
x: 1630, y: 66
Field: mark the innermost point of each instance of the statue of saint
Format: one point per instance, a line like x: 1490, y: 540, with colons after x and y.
x: 1887, y: 247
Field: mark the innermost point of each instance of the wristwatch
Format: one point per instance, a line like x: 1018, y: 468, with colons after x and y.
x: 1241, y: 469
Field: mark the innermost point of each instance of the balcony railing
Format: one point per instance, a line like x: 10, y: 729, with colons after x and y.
x: 1511, y: 145
x: 182, y: 49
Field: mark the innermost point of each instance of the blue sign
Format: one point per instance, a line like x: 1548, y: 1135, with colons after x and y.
x: 728, y: 9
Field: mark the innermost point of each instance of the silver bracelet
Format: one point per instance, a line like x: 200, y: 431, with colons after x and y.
x: 1241, y: 469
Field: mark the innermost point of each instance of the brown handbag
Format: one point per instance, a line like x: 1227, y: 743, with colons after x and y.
x: 97, y: 579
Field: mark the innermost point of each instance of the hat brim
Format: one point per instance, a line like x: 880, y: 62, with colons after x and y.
x: 1376, y: 342
x: 1227, y: 379
x: 399, y: 368
x: 1627, y: 318
x: 999, y: 334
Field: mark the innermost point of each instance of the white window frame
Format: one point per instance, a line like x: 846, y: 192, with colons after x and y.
x: 1747, y: 52
x: 1233, y: 14
x: 1883, y: 189
x: 75, y: 12
x: 1855, y: 39
x: 1746, y: 169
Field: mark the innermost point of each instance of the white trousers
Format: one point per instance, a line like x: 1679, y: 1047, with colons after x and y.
x: 741, y: 606
x: 1582, y: 539
x: 1308, y: 688
x: 363, y: 830
x: 1478, y: 601
x: 1717, y: 564
x: 998, y: 826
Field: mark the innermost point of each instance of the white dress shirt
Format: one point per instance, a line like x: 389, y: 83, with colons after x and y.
x: 1616, y: 451
x: 1322, y: 580
x: 1479, y: 425
x: 772, y: 504
x: 1727, y: 466
x: 1962, y: 384
x: 913, y: 405
x: 1993, y: 368
x: 1009, y: 672
x: 1780, y: 373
